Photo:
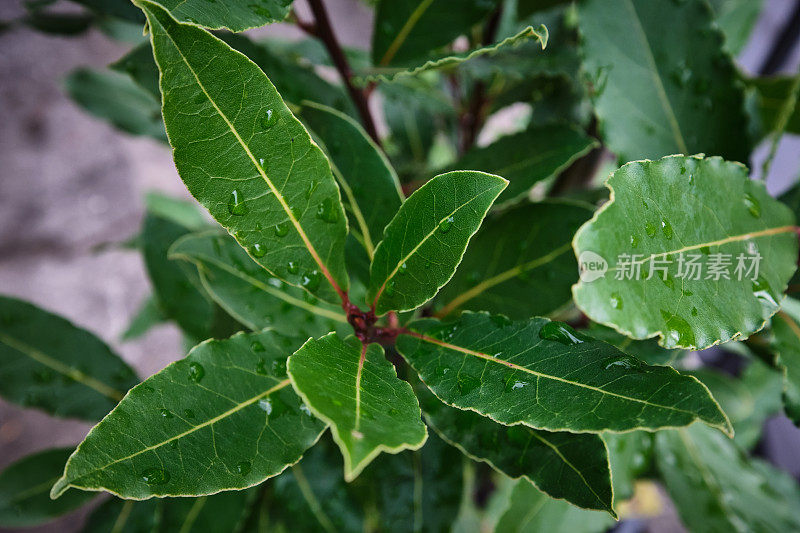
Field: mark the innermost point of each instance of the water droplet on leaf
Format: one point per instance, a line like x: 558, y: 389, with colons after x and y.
x: 560, y: 332
x: 196, y: 372
x: 155, y: 476
x: 446, y: 224
x: 236, y: 204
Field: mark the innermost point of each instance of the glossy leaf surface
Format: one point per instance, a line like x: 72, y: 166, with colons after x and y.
x: 425, y: 241
x: 48, y: 363
x: 736, y: 229
x: 519, y: 263
x: 355, y: 390
x: 568, y: 466
x: 234, y: 15
x: 228, y: 405
x: 662, y: 89
x: 247, y: 159
x: 547, y: 376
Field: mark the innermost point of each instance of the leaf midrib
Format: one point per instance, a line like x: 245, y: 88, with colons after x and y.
x: 487, y: 357
x: 278, y: 195
x: 61, y: 368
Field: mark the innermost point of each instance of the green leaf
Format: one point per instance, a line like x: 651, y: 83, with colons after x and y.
x: 25, y: 490
x: 531, y: 511
x: 414, y: 491
x: 249, y: 293
x: 453, y: 60
x: 736, y: 19
x: 49, y: 363
x: 371, y: 188
x: 662, y: 89
x: 312, y: 496
x: 272, y: 175
x: 234, y: 15
x: 406, y: 31
x: 730, y: 216
x: 717, y: 489
x: 147, y: 317
x: 786, y: 342
x: 355, y: 389
x: 532, y: 372
x: 223, y: 513
x: 125, y: 516
x: 630, y: 455
x: 65, y: 24
x: 526, y: 8
x: 748, y: 400
x: 529, y: 157
x: 520, y: 262
x: 227, y: 405
x: 179, y: 211
x: 115, y: 98
x: 771, y: 94
x: 564, y: 465
x: 176, y: 295
x: 425, y: 241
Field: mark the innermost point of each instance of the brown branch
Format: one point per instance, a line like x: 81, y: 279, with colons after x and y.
x: 324, y: 32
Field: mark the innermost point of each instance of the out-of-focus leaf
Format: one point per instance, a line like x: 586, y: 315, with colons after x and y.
x: 786, y: 341
x: 234, y: 15
x: 648, y: 350
x: 59, y: 23
x: 249, y: 293
x: 25, y: 490
x: 369, y: 184
x: 717, y: 489
x: 771, y: 94
x: 148, y: 316
x: 568, y: 466
x: 630, y: 455
x: 228, y: 405
x: 355, y: 389
x: 531, y: 511
x: 179, y: 211
x: 528, y: 157
x: 735, y: 229
x: 519, y: 263
x: 736, y: 19
x: 547, y: 376
x: 115, y: 98
x: 407, y: 31
x: 425, y: 241
x: 125, y: 516
x: 662, y: 89
x: 121, y: 9
x: 48, y: 363
x: 273, y: 190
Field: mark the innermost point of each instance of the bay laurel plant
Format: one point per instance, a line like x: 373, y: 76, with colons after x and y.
x: 399, y: 328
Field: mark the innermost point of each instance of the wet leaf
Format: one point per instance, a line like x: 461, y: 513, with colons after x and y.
x: 734, y: 229
x: 547, y: 376
x: 355, y: 389
x: 425, y: 241
x: 228, y: 405
x: 234, y: 15
x: 216, y: 101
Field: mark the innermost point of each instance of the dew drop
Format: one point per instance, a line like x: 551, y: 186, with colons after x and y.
x: 261, y: 368
x: 328, y: 211
x: 292, y: 267
x: 243, y: 468
x: 666, y: 229
x: 560, y: 332
x: 258, y: 251
x: 446, y: 224
x: 165, y: 413
x: 624, y: 362
x: 679, y: 332
x: 155, y: 476
x: 389, y: 290
x: 634, y: 241
x: 265, y: 405
x: 616, y: 300
x: 752, y: 204
x: 257, y: 347
x: 311, y: 188
x: 268, y: 119
x: 519, y: 385
x: 650, y: 229
x: 311, y: 280
x: 279, y: 366
x: 282, y: 229
x: 196, y: 372
x: 305, y: 409
x: 402, y: 269
x: 763, y: 291
x: 236, y: 204
x: 694, y: 311
x: 467, y: 384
